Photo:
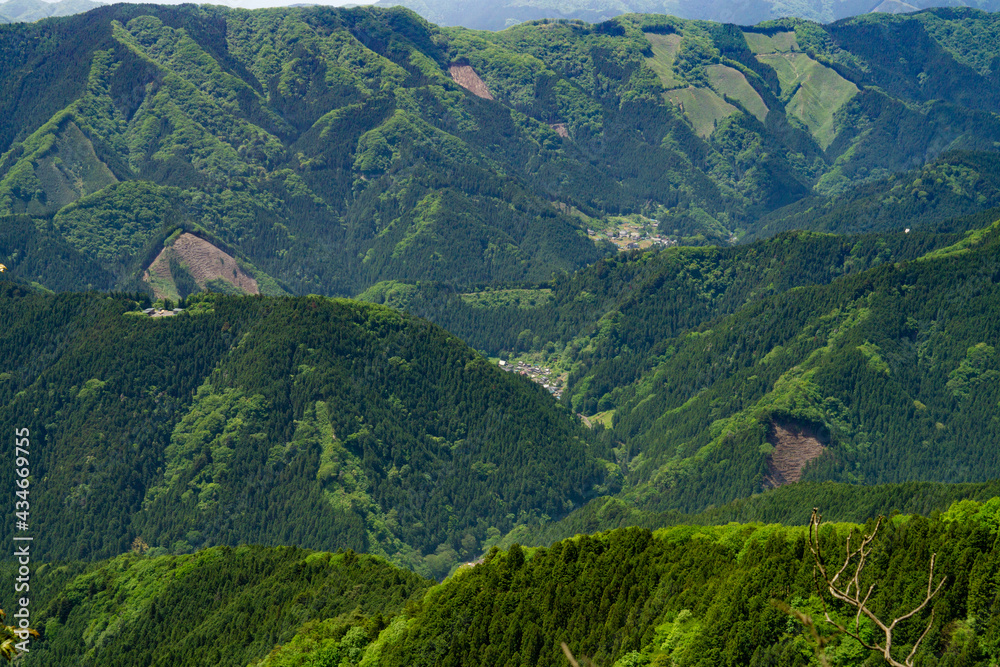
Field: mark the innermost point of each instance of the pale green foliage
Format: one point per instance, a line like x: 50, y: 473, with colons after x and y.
x: 91, y: 388
x: 970, y: 511
x: 979, y: 365
x: 214, y: 426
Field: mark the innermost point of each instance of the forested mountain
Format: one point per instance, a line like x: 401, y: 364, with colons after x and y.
x: 790, y: 505
x: 324, y: 150
x: 221, y: 606
x: 942, y: 195
x: 875, y: 376
x: 681, y: 288
x: 725, y: 595
x: 724, y: 371
x: 249, y: 420
x: 689, y: 596
x: 713, y: 374
x: 225, y: 160
x: 506, y: 13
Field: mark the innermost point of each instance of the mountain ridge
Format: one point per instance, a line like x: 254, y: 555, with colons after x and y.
x: 499, y: 16
x: 356, y: 157
x: 384, y: 432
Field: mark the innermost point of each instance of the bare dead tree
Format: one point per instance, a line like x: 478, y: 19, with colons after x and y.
x: 845, y: 585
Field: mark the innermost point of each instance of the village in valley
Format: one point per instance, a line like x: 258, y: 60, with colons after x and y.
x: 631, y: 233
x: 552, y: 380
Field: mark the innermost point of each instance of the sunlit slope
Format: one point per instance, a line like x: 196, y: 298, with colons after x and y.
x: 730, y: 82
x: 624, y: 596
x: 813, y: 92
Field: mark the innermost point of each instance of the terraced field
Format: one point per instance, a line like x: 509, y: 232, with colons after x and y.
x: 665, y: 48
x: 816, y: 92
x: 728, y: 81
x: 702, y: 106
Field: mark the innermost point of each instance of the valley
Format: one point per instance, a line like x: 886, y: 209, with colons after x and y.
x: 345, y: 338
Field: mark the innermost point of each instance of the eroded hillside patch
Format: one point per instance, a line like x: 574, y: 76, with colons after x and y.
x: 794, y: 447
x: 467, y: 78
x: 206, y: 264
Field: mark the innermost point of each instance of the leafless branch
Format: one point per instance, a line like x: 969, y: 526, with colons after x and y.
x: 848, y: 590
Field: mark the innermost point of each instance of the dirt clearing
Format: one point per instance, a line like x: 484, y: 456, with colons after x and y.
x: 794, y: 447
x: 203, y: 261
x: 467, y: 78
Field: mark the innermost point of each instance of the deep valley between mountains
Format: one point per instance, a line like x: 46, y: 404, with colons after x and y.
x: 347, y: 339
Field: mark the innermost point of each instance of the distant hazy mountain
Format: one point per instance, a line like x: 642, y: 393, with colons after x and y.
x: 26, y: 11
x: 502, y: 14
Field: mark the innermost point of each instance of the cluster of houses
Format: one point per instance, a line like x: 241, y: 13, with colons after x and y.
x: 543, y: 376
x: 627, y: 238
x: 157, y: 312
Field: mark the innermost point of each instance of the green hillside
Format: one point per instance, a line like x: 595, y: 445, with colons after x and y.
x: 664, y: 50
x: 695, y: 596
x: 935, y: 196
x: 703, y: 107
x: 311, y: 422
x: 876, y: 370
x: 221, y: 606
x: 388, y: 435
x: 423, y: 475
x: 716, y: 374
x: 327, y: 167
x: 789, y: 505
x: 815, y: 93
x: 601, y: 312
x: 730, y: 82
x: 326, y: 150
x: 741, y: 594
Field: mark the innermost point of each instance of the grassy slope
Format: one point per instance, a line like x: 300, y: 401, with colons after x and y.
x: 732, y: 83
x: 816, y: 92
x: 703, y: 107
x: 664, y: 48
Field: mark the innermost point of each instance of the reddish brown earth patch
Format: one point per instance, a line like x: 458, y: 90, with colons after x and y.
x: 560, y: 129
x: 467, y: 78
x: 203, y: 261
x: 794, y: 447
